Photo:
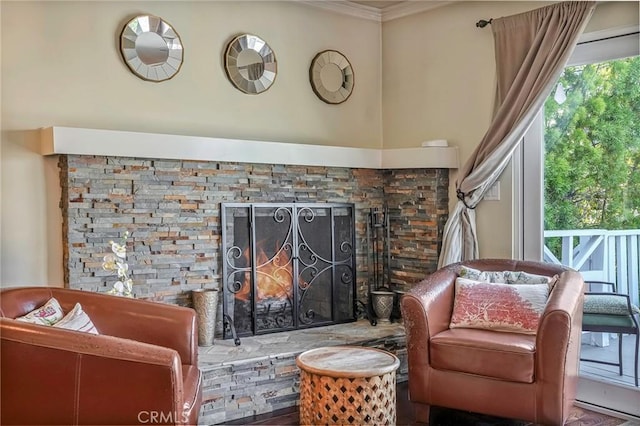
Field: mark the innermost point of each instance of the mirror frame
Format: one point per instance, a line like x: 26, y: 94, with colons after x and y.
x: 252, y: 42
x: 143, y: 24
x: 321, y: 60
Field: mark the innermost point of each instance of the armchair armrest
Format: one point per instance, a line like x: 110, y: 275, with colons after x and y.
x: 155, y: 323
x: 431, y: 302
x: 562, y: 313
x: 558, y: 342
x: 426, y: 311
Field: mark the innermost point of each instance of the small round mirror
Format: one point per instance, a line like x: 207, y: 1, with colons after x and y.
x: 250, y: 64
x: 331, y: 77
x: 151, y: 48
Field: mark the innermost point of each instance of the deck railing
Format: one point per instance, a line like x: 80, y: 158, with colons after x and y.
x: 600, y: 254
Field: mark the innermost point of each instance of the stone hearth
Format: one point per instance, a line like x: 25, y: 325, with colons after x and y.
x: 261, y: 375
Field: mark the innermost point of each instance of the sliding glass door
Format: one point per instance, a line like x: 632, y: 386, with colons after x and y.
x: 579, y: 201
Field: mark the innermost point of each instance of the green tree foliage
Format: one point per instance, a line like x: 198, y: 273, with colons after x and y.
x: 592, y: 162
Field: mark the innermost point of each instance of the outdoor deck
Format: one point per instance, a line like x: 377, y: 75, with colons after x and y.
x: 610, y: 353
x: 603, y: 255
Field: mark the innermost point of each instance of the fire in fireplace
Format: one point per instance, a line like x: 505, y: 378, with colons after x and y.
x: 287, y: 266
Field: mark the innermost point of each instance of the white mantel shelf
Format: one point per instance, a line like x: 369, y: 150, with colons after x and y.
x: 115, y: 143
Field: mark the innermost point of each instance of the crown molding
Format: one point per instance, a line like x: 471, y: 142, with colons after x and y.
x: 410, y: 7
x: 385, y: 14
x: 347, y: 8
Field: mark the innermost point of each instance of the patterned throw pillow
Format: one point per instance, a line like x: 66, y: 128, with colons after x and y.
x: 521, y: 277
x: 484, y: 276
x: 47, y: 314
x: 608, y: 304
x: 504, y: 277
x: 499, y: 307
x: 77, y: 320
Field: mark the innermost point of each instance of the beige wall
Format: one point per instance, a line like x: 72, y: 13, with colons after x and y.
x: 438, y: 82
x: 61, y: 66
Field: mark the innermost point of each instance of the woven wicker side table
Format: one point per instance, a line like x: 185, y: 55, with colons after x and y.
x: 347, y: 385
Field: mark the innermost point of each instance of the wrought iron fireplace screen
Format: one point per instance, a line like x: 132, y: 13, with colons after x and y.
x: 287, y: 266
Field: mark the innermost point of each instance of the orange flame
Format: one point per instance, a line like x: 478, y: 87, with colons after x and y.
x: 274, y: 276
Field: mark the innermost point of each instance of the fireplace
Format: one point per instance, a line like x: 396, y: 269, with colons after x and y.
x: 287, y: 266
x: 172, y: 210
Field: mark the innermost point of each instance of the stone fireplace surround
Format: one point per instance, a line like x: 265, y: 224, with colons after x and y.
x: 171, y: 207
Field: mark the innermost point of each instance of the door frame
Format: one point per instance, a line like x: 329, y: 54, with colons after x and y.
x: 528, y: 221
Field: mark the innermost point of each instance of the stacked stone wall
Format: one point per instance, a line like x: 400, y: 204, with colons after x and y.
x: 171, y: 209
x: 418, y: 210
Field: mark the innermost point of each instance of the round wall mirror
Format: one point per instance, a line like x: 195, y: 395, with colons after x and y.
x: 331, y: 77
x: 151, y: 48
x: 250, y: 64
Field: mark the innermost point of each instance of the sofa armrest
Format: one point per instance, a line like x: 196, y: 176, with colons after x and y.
x: 52, y: 375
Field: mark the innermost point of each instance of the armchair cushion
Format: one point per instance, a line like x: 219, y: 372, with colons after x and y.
x: 499, y: 307
x: 608, y: 304
x: 506, y: 356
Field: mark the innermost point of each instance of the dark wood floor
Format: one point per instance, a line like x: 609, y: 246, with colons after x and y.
x: 439, y: 416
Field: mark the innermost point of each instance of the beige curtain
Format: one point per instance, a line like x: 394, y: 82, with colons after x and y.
x: 531, y: 51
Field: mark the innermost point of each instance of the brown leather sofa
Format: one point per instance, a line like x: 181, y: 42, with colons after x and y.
x: 141, y: 369
x: 520, y: 376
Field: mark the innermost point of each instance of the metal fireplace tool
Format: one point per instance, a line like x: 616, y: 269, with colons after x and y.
x: 379, y: 257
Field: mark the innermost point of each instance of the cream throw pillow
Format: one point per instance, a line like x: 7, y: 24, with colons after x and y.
x: 500, y: 307
x: 47, y: 314
x: 77, y: 320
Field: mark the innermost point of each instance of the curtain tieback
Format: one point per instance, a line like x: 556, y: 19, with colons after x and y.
x: 461, y: 196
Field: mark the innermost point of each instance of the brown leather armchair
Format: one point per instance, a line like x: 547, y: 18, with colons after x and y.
x: 528, y: 377
x: 141, y: 369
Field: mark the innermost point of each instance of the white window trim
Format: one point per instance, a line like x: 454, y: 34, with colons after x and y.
x: 605, y: 45
x: 528, y: 220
